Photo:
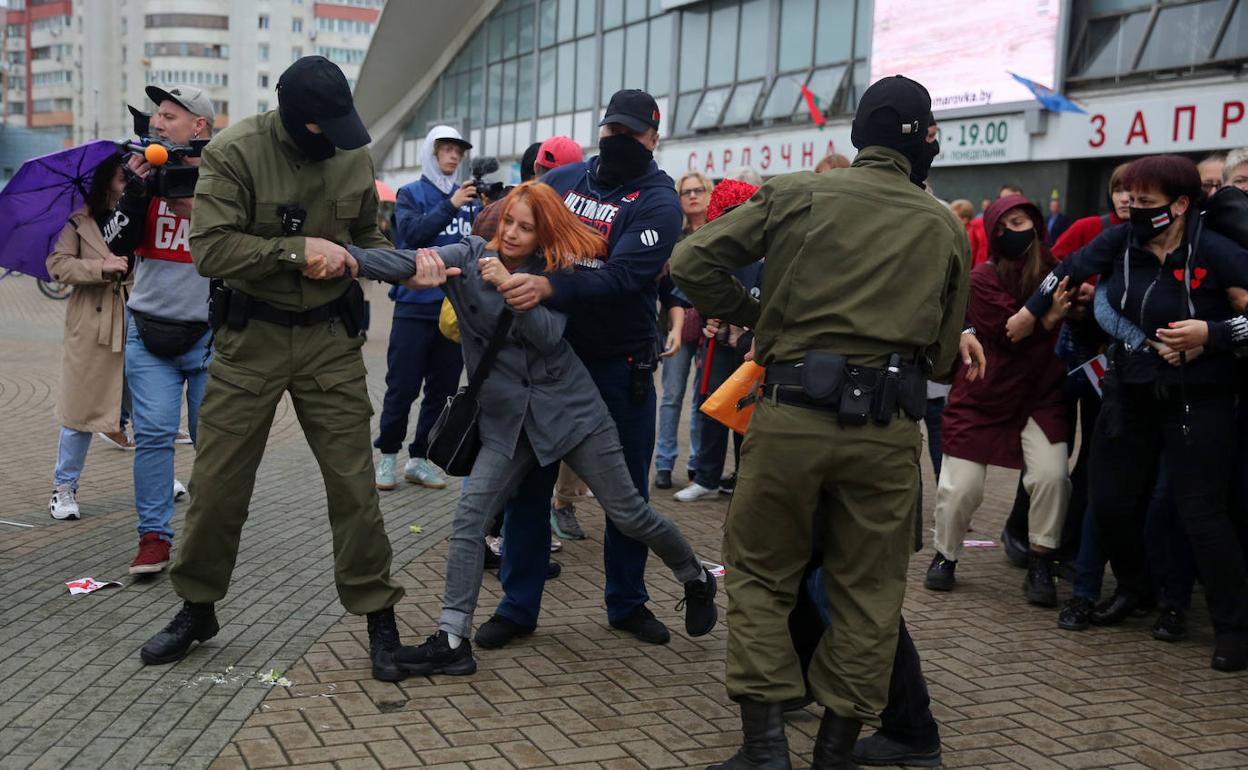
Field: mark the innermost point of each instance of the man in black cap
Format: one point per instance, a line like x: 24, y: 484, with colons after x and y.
x: 865, y: 280
x: 277, y: 193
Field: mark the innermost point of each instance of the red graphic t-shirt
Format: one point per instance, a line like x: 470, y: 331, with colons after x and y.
x: 167, y: 235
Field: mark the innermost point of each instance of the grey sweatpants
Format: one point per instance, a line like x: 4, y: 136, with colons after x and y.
x: 599, y: 461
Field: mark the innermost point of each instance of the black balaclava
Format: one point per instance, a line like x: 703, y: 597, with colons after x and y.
x: 622, y: 158
x: 896, y: 112
x: 315, y: 146
x: 527, y: 160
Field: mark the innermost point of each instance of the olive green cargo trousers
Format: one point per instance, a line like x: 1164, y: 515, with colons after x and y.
x: 864, y: 481
x: 324, y: 373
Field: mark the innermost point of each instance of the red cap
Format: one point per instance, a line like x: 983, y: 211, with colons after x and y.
x: 558, y: 151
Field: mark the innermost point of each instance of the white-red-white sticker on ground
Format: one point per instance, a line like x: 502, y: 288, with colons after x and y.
x: 86, y: 585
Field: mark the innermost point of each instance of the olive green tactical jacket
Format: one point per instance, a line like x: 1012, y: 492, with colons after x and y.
x: 859, y: 261
x: 248, y: 172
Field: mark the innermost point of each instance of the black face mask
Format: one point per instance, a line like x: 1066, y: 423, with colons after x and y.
x: 1013, y: 244
x: 921, y: 164
x: 622, y: 158
x: 315, y: 146
x: 1147, y: 224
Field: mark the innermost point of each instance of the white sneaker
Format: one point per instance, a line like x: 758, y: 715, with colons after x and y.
x: 63, y: 504
x: 179, y: 491
x: 384, y: 475
x: 694, y: 491
x: 422, y: 472
x: 556, y: 545
x: 182, y: 438
x: 495, y: 544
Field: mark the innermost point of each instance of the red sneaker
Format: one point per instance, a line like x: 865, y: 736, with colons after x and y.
x: 153, y: 555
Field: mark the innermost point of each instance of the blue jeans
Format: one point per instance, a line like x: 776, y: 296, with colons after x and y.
x: 71, y: 454
x: 418, y: 354
x: 675, y: 383
x: 526, y: 522
x: 156, y: 390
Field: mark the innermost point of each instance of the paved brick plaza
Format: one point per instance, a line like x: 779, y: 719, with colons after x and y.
x: 1009, y: 688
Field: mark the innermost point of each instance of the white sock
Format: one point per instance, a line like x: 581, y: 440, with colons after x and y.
x: 453, y: 640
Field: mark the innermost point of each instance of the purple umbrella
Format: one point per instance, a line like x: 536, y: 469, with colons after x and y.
x: 37, y: 202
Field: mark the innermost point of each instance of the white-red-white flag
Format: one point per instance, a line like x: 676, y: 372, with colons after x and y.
x: 1095, y: 370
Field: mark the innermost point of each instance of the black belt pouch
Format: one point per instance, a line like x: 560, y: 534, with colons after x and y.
x: 822, y: 375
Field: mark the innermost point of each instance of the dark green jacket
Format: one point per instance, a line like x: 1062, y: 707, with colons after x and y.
x: 859, y: 261
x: 248, y: 172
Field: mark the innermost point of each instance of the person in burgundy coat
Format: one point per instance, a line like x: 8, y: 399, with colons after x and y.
x: 1014, y: 416
x: 1084, y: 340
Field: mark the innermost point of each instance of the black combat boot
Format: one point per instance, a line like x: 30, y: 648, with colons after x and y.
x: 383, y: 643
x: 193, y: 623
x: 765, y: 747
x: 1040, y: 584
x: 834, y: 745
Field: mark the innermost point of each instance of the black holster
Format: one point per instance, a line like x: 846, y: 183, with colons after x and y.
x: 352, y: 309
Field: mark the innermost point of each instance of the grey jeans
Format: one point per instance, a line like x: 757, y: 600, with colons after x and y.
x: 599, y: 461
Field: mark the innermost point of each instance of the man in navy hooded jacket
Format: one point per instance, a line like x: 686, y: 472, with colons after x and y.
x: 432, y: 211
x: 612, y: 325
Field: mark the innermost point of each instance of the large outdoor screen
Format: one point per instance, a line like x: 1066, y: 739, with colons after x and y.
x: 964, y: 53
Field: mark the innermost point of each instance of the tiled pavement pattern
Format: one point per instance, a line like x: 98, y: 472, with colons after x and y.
x: 1009, y: 689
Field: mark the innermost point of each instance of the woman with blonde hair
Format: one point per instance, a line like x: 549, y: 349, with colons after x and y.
x: 694, y: 190
x: 538, y: 406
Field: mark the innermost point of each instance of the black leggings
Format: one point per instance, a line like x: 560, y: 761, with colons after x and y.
x: 1139, y: 428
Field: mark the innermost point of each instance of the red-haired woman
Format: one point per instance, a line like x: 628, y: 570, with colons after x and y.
x: 538, y: 406
x: 1163, y: 268
x: 1015, y: 415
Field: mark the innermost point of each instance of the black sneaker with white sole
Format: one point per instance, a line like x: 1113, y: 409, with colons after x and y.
x: 435, y: 656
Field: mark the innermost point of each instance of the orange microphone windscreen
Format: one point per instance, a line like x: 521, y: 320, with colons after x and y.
x: 156, y: 154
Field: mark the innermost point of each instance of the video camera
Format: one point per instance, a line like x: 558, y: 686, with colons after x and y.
x: 487, y: 164
x: 172, y: 177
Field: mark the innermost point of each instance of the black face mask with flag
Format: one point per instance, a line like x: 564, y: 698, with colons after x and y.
x: 1147, y: 224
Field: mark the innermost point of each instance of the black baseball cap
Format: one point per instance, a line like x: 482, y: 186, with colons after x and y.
x: 315, y: 89
x: 634, y: 108
x: 894, y: 112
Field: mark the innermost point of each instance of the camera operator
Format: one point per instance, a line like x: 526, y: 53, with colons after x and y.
x: 167, y: 341
x: 432, y: 211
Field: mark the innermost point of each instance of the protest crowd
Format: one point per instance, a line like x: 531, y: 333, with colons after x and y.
x: 816, y: 327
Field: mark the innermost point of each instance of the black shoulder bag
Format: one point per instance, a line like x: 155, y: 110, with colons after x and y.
x: 455, y: 440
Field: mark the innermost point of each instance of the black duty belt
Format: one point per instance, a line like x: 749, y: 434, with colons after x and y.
x: 856, y: 394
x: 259, y: 310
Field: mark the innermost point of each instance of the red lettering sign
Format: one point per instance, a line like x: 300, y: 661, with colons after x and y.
x: 1227, y: 120
x: 1137, y: 128
x: 1190, y: 109
x: 1098, y: 123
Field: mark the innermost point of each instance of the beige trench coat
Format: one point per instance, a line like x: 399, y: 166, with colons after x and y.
x: 95, y: 329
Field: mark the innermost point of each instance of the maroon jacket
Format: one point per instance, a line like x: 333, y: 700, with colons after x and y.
x: 984, y: 419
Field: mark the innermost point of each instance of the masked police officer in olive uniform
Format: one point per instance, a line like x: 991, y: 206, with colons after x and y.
x: 865, y: 283
x: 274, y: 192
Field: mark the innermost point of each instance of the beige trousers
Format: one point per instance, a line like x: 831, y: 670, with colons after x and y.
x: 1045, y: 477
